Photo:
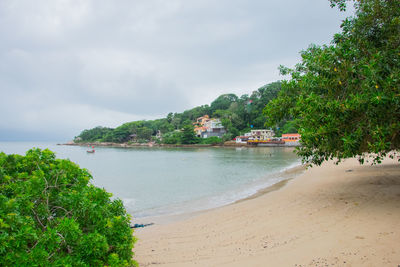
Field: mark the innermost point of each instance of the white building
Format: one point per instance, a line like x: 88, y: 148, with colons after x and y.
x: 262, y: 134
x: 241, y: 139
x: 214, y: 128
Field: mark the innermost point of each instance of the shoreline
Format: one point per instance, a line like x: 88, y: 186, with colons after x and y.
x: 336, y: 215
x: 287, y: 175
x: 228, y: 144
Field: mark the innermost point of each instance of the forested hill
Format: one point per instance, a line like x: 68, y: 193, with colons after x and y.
x: 237, y: 114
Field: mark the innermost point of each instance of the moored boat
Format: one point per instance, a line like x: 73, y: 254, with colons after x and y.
x: 90, y: 151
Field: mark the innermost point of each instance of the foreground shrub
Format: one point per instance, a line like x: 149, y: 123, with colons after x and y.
x: 50, y: 215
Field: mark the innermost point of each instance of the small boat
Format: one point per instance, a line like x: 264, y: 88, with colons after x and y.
x: 90, y: 151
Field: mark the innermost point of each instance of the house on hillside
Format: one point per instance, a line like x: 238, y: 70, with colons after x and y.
x: 199, y: 127
x: 213, y: 127
x: 202, y: 120
x: 206, y: 127
x: 262, y: 134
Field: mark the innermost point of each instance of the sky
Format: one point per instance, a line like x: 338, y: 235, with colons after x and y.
x: 69, y: 65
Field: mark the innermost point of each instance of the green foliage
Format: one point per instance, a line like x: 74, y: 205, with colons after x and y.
x: 346, y: 96
x: 119, y: 134
x: 93, y: 135
x: 238, y: 114
x: 285, y: 126
x: 131, y: 131
x: 227, y: 137
x: 188, y: 135
x: 172, y: 138
x: 289, y: 127
x: 144, y: 133
x: 223, y: 102
x: 50, y: 215
x: 213, y: 140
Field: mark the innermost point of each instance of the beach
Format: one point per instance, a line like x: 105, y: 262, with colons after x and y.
x: 331, y: 215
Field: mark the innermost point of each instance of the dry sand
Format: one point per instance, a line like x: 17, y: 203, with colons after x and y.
x: 345, y: 215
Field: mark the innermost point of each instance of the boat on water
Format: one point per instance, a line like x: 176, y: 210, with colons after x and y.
x: 90, y: 151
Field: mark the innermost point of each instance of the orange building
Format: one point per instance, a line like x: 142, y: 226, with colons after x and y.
x: 202, y: 120
x: 199, y: 125
x: 291, y: 137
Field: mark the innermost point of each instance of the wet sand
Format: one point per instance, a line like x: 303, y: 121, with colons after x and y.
x: 333, y: 215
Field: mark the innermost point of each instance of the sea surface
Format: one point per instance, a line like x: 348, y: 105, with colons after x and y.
x: 171, y: 181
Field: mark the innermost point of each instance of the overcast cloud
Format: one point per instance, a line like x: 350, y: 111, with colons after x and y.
x: 70, y: 65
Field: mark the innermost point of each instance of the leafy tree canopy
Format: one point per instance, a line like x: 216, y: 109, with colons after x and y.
x: 223, y: 102
x: 50, y: 215
x: 95, y: 133
x: 346, y: 96
x: 188, y: 134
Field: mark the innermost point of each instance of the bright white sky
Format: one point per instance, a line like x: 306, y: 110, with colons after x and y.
x: 68, y: 65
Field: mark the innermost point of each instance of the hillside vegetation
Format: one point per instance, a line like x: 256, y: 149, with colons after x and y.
x: 237, y: 115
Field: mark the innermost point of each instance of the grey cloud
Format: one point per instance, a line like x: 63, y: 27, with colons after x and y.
x: 69, y: 65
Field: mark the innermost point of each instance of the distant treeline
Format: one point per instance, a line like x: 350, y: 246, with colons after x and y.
x: 238, y: 115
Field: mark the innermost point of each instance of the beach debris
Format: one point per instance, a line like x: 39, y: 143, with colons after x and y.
x: 348, y: 170
x: 139, y: 225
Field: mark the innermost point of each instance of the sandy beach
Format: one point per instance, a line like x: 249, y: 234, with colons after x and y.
x: 332, y: 215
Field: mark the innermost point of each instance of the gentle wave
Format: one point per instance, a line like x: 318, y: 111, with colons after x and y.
x: 219, y: 200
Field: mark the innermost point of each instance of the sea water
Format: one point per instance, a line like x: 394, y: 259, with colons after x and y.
x: 168, y: 181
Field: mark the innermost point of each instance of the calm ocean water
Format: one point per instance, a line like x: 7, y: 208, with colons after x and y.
x: 167, y: 181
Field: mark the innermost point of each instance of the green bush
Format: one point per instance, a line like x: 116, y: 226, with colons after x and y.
x: 213, y: 140
x: 172, y: 138
x: 227, y: 137
x: 50, y: 215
